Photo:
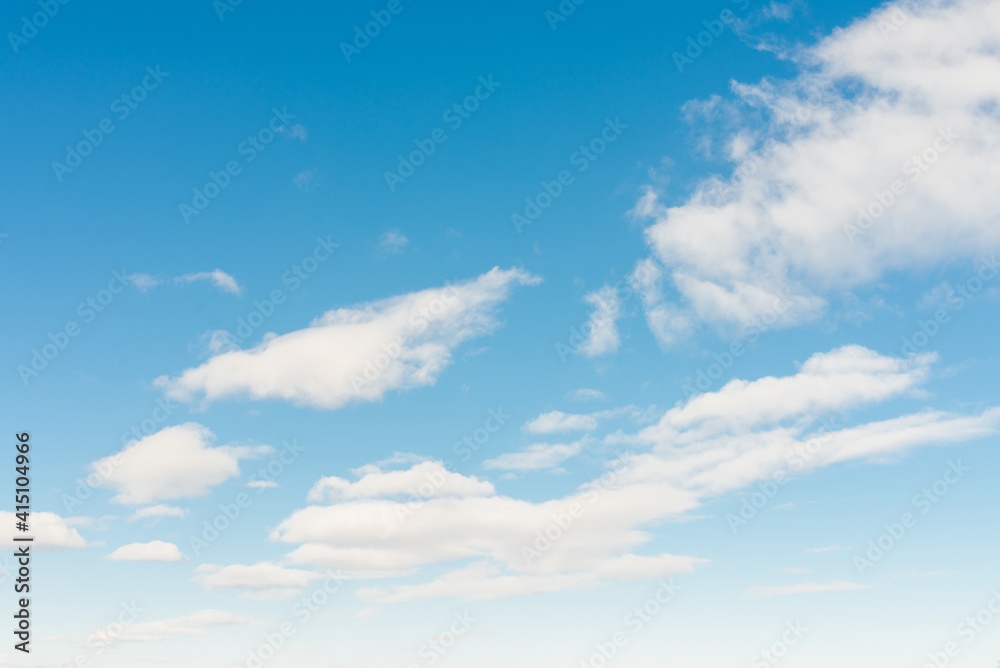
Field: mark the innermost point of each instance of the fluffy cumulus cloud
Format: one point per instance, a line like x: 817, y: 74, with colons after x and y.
x: 48, y: 529
x: 428, y: 478
x: 878, y: 157
x: 602, y: 329
x: 357, y: 353
x: 156, y: 550
x: 536, y: 457
x: 261, y: 581
x: 713, y: 444
x: 195, y: 624
x: 174, y: 463
x: 557, y: 421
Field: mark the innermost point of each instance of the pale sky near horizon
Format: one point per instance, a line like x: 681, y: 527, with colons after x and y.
x: 548, y: 334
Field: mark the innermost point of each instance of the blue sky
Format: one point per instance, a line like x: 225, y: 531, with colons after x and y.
x: 761, y: 278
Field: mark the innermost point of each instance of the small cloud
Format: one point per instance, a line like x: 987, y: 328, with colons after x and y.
x: 143, y: 282
x: 804, y: 588
x: 392, y: 242
x: 156, y: 550
x: 585, y: 394
x: 297, y: 131
x: 936, y: 297
x: 603, y: 337
x: 536, y: 457
x: 555, y: 421
x: 828, y: 548
x: 780, y: 11
x: 914, y: 573
x: 157, y: 512
x: 305, y: 180
x: 262, y: 484
x: 219, y: 278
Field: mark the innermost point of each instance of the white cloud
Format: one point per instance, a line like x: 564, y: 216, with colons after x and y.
x: 392, y: 242
x: 305, y: 179
x: 294, y: 131
x: 143, y: 282
x: 782, y: 234
x: 667, y: 322
x: 156, y: 550
x: 174, y: 463
x: 536, y: 456
x: 158, y: 511
x: 428, y: 478
x: 602, y: 337
x: 219, y: 279
x: 262, y: 484
x: 585, y: 394
x: 48, y: 530
x: 937, y: 297
x: 804, y: 588
x: 262, y: 581
x: 357, y: 353
x: 711, y: 445
x: 195, y: 624
x: 557, y: 421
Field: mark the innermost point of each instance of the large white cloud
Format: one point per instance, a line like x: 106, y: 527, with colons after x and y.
x: 48, y: 530
x: 715, y: 443
x: 901, y: 95
x: 174, y: 463
x: 262, y: 581
x: 156, y: 550
x: 195, y: 624
x: 357, y: 353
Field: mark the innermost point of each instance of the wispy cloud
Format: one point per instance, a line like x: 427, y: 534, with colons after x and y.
x: 804, y: 588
